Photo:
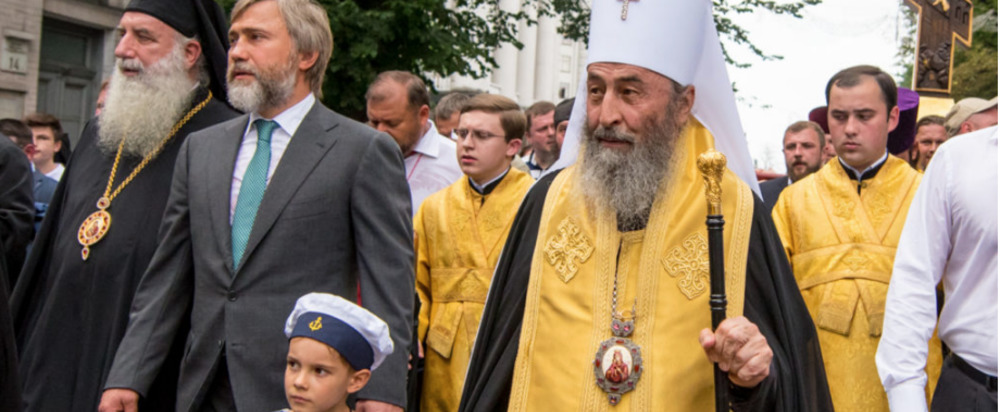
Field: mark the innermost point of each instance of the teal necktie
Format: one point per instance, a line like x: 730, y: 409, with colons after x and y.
x: 252, y: 189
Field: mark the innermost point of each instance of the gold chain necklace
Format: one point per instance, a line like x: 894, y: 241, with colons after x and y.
x: 98, y: 223
x: 618, y: 362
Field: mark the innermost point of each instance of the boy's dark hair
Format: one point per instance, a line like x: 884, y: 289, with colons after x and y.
x: 45, y: 120
x: 17, y: 130
x: 851, y: 77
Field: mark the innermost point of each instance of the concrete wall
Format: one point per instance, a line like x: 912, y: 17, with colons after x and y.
x: 22, y: 22
x: 545, y: 65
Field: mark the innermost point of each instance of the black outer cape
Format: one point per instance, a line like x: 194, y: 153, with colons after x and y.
x: 773, y: 302
x: 16, y: 228
x: 70, y: 315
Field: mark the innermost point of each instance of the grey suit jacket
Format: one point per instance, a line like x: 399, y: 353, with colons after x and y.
x: 335, y: 217
x: 44, y: 187
x: 771, y: 189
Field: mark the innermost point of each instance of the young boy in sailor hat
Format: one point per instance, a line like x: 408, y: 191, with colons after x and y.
x: 333, y: 347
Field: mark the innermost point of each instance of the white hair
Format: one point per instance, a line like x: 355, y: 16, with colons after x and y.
x: 142, y: 110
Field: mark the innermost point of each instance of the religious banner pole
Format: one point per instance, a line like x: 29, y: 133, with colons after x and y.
x: 712, y: 164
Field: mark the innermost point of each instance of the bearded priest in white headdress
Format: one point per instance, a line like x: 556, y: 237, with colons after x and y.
x: 600, y: 300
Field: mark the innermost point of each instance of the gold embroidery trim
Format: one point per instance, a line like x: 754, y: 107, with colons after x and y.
x: 459, y: 284
x: 522, y: 364
x: 739, y: 246
x: 689, y: 262
x: 568, y: 246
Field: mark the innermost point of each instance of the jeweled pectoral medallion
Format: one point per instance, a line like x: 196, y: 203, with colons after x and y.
x: 94, y: 227
x: 618, y: 363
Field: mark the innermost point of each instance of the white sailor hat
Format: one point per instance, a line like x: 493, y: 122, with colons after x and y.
x: 358, y: 335
x: 678, y: 39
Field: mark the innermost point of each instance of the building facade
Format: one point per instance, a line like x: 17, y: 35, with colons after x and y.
x: 54, y: 55
x: 548, y: 67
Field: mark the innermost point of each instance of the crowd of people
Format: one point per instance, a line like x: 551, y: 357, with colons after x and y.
x: 220, y: 240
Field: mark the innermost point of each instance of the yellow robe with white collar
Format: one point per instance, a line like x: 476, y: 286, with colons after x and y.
x: 841, y: 247
x: 458, y: 241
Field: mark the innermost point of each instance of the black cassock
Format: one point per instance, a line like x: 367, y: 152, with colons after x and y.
x: 69, y: 314
x: 773, y: 302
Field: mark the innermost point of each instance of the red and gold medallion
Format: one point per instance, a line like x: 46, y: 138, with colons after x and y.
x: 618, y: 362
x: 94, y: 227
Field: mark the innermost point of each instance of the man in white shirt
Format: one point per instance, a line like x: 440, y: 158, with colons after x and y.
x: 950, y: 235
x: 541, y: 136
x: 47, y: 133
x: 398, y: 104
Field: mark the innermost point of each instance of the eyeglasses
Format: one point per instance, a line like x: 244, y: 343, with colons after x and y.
x: 476, y: 134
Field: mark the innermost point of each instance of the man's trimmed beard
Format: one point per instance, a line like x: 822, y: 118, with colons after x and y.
x: 628, y: 181
x: 143, y: 109
x: 272, y: 88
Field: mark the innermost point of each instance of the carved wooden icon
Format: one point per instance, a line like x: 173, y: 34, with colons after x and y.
x: 942, y: 24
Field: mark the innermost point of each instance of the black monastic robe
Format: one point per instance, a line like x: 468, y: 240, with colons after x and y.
x: 69, y: 314
x: 797, y: 381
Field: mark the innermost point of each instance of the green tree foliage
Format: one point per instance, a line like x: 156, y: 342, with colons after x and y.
x: 975, y: 69
x: 435, y: 37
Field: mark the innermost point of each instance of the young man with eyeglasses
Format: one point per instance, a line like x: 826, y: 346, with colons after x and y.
x: 459, y: 234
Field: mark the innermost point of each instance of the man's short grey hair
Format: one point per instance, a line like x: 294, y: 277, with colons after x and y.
x: 309, y: 27
x: 450, y: 104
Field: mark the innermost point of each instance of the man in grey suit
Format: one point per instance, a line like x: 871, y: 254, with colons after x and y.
x: 803, y: 148
x: 315, y: 203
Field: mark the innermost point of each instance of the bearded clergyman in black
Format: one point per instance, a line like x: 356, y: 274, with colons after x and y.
x: 72, y: 300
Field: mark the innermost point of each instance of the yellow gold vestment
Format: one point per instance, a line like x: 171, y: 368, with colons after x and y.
x: 841, y: 247
x: 662, y: 270
x: 459, y: 234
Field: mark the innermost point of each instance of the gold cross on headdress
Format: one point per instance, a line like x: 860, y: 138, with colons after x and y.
x: 625, y: 8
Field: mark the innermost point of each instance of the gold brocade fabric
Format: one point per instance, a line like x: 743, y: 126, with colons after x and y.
x: 458, y: 243
x: 841, y: 248
x: 663, y: 270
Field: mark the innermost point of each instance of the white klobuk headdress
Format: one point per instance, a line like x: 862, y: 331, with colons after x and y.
x: 676, y: 38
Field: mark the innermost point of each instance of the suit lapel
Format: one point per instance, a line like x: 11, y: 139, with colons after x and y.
x: 310, y: 143
x: 221, y: 186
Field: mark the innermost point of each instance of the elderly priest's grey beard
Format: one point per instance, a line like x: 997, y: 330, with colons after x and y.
x: 144, y: 108
x: 627, y: 182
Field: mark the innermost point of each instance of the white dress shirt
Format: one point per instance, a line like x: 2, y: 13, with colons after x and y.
x: 534, y: 169
x: 432, y: 166
x: 56, y: 174
x: 950, y: 234
x: 288, y: 122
